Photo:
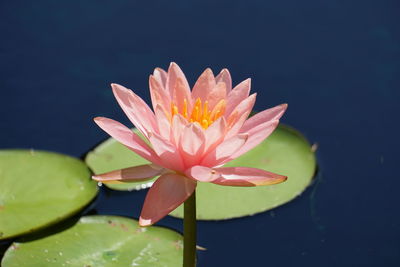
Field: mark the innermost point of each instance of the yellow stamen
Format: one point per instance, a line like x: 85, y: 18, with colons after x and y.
x: 195, y: 114
x: 204, y: 124
x: 200, y: 112
x: 174, y: 110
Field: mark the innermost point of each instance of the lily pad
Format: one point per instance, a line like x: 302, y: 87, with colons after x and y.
x: 99, y: 241
x: 111, y: 155
x: 39, y: 188
x: 285, y: 152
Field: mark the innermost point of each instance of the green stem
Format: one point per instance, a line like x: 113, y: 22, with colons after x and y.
x: 189, y: 232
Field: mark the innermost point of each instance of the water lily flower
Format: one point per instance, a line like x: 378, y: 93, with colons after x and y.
x: 189, y: 136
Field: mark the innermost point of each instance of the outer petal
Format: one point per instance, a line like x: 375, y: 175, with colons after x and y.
x: 224, y: 150
x: 203, y: 86
x: 237, y: 95
x: 225, y: 77
x: 132, y: 174
x: 239, y: 115
x: 274, y: 113
x: 256, y: 136
x: 135, y: 108
x: 202, y: 173
x: 242, y: 176
x: 169, y: 155
x: 159, y: 96
x: 174, y: 73
x: 166, y: 194
x: 127, y: 137
x: 163, y: 123
x: 161, y: 76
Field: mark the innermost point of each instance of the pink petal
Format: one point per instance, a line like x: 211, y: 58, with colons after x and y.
x: 203, y: 86
x: 169, y: 155
x: 256, y: 136
x: 274, y: 113
x: 163, y: 123
x: 181, y: 93
x: 132, y: 174
x: 237, y: 95
x: 224, y: 150
x: 202, y: 173
x: 239, y: 115
x: 159, y: 96
x: 174, y: 72
x: 215, y: 134
x: 225, y: 77
x: 161, y: 76
x: 192, y: 144
x: 127, y: 137
x: 242, y: 176
x: 216, y: 94
x: 167, y: 193
x: 178, y: 124
x: 135, y: 108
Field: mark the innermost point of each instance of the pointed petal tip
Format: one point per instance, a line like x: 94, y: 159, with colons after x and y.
x: 209, y: 71
x: 118, y: 87
x: 100, y: 120
x: 158, y: 69
x: 254, y: 95
x: 115, y: 86
x: 279, y: 179
x: 173, y: 65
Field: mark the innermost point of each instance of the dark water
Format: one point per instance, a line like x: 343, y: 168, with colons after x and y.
x: 337, y: 64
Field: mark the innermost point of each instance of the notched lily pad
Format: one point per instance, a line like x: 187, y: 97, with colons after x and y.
x: 99, y: 241
x: 39, y: 188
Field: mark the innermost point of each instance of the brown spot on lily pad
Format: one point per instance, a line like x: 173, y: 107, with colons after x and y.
x: 265, y: 160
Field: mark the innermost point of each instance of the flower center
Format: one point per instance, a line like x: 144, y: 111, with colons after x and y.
x: 200, y: 112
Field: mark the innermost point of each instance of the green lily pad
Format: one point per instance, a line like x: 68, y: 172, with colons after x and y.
x: 285, y: 152
x: 39, y: 188
x: 99, y: 241
x: 111, y: 155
